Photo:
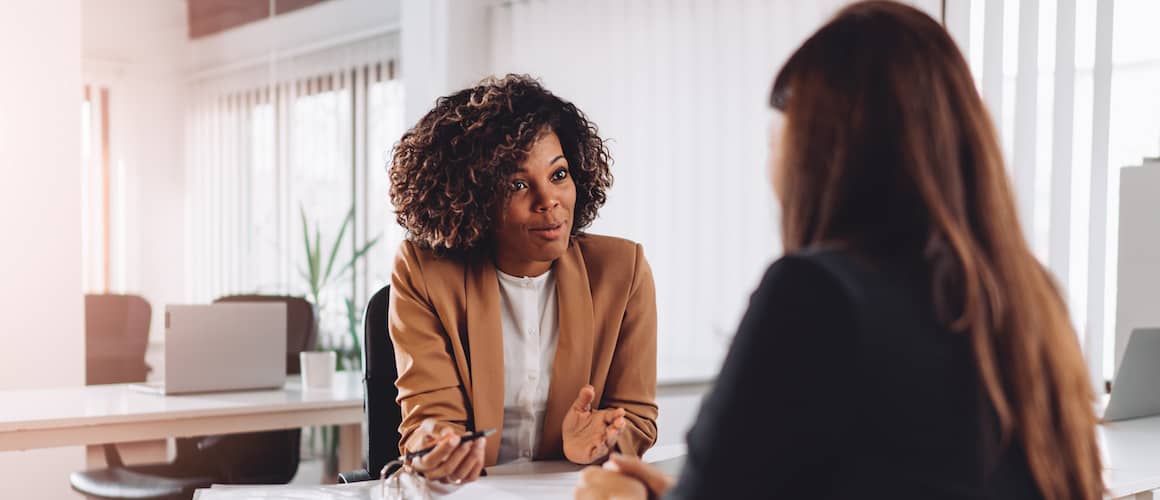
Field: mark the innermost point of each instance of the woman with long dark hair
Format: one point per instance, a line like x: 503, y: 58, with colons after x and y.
x: 908, y: 345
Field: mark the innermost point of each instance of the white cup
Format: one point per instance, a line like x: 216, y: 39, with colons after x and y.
x: 317, y: 368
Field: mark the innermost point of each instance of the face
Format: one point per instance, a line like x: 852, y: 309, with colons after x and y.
x: 534, y: 227
x: 775, y: 166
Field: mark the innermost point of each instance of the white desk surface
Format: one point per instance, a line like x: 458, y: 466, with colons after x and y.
x: 527, y: 481
x: 46, y: 418
x: 1131, y: 455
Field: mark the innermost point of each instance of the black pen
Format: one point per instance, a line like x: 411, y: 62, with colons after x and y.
x: 462, y: 439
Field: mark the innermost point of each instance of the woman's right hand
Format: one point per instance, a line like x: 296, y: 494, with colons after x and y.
x: 451, y: 461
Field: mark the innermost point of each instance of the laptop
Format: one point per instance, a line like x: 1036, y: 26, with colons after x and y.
x: 223, y: 347
x: 1136, y: 389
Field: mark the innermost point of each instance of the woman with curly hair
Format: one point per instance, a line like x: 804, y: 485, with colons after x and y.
x: 504, y: 314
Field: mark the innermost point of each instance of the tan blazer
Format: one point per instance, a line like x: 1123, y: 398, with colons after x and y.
x: 443, y: 308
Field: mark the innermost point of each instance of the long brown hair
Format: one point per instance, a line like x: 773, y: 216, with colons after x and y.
x: 889, y: 150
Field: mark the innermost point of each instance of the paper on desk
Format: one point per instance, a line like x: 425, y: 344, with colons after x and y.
x: 531, y: 487
x: 368, y: 490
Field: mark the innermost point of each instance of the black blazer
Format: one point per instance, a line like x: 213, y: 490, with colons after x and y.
x: 840, y: 383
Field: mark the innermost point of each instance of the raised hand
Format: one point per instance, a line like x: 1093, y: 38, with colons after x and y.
x: 590, y: 434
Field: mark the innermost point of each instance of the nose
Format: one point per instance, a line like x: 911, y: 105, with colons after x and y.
x: 546, y: 200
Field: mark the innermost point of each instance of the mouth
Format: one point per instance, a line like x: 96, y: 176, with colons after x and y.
x: 548, y: 231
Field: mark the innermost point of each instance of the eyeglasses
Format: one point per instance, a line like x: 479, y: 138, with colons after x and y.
x: 401, y: 482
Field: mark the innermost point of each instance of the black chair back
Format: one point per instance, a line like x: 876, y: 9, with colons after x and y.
x: 116, y: 336
x: 379, y: 373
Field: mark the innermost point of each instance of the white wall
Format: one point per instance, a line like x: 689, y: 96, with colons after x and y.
x: 446, y: 46
x: 680, y: 89
x: 40, y: 274
x: 138, y: 49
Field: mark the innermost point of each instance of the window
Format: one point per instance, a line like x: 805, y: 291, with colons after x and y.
x: 1065, y: 153
x: 303, y: 136
x: 96, y: 191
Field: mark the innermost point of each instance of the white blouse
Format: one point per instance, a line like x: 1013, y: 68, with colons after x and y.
x: 530, y: 334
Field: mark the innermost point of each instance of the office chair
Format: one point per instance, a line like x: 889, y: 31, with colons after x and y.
x: 116, y: 336
x: 268, y: 457
x: 383, y: 414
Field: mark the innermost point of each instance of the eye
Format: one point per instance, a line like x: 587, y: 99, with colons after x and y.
x: 519, y: 185
x: 560, y: 175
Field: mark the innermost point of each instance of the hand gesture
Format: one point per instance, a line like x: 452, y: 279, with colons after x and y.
x: 590, y: 434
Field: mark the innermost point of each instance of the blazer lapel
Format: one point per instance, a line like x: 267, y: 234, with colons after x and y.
x: 485, y: 338
x: 572, y: 364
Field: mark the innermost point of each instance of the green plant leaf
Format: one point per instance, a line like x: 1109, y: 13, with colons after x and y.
x: 312, y: 278
x: 316, y: 261
x: 333, y: 448
x: 352, y: 318
x: 337, y: 243
x: 358, y: 254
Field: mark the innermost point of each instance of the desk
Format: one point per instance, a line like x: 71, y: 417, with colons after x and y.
x: 1131, y: 455
x: 1130, y: 450
x: 98, y: 414
x: 548, y: 480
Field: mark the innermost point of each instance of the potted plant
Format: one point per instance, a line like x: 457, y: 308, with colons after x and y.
x: 321, y: 274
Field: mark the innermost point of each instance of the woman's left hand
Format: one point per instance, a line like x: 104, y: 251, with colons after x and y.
x: 623, y: 477
x: 589, y: 434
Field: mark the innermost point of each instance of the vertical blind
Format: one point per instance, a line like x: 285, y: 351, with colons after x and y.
x: 1072, y: 86
x: 679, y: 88
x: 265, y: 145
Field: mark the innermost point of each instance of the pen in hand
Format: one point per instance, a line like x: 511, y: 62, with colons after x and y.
x: 462, y: 439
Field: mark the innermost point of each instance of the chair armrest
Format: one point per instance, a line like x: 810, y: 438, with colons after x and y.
x: 356, y: 476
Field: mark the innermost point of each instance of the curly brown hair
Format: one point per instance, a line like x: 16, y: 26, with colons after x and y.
x: 451, y: 171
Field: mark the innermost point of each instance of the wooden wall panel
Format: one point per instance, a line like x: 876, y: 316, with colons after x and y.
x: 207, y: 17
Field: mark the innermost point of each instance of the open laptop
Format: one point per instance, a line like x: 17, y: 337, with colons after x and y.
x: 223, y: 347
x: 1136, y: 388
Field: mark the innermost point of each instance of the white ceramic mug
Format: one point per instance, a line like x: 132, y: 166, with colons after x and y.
x: 317, y: 368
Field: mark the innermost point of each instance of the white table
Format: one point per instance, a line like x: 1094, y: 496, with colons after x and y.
x: 48, y: 418
x: 549, y: 480
x: 1131, y: 456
